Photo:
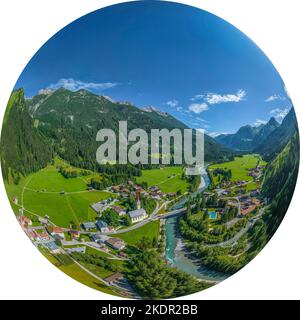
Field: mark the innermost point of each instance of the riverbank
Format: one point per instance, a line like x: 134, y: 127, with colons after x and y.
x: 176, y: 252
x: 178, y: 256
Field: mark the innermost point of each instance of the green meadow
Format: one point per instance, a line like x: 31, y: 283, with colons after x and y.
x: 50, y: 180
x: 41, y: 195
x: 239, y: 167
x: 150, y: 230
x: 168, y: 179
x: 64, y: 208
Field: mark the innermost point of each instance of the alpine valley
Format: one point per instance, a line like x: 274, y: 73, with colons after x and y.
x: 113, y: 227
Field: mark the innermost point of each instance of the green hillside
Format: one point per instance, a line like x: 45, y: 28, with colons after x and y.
x: 23, y: 148
x: 280, y: 181
x: 72, y: 119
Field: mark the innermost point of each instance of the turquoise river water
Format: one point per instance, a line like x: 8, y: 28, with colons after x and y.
x: 176, y: 253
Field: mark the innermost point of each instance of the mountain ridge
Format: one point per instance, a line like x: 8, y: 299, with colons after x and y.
x: 69, y: 121
x: 279, y: 138
x: 248, y: 137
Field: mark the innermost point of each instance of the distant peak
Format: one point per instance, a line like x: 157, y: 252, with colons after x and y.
x: 273, y: 122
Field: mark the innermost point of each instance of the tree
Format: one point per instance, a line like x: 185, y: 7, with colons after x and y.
x: 144, y: 244
x: 110, y: 217
x: 203, y: 202
x: 126, y: 220
x: 154, y: 279
x: 154, y: 242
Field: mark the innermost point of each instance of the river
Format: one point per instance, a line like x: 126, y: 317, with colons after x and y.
x: 175, y: 250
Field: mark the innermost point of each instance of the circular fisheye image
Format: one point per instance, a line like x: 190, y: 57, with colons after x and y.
x: 149, y: 150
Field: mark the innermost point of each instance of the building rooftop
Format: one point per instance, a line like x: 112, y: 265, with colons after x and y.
x: 51, y: 245
x: 101, y: 224
x: 89, y: 225
x: 57, y: 230
x: 97, y: 206
x: 115, y: 241
x: 137, y: 213
x: 117, y: 209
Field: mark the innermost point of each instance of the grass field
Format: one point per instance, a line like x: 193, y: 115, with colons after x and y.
x: 62, y: 209
x: 149, y: 230
x: 168, y: 179
x: 50, y: 180
x: 239, y: 167
x: 40, y: 193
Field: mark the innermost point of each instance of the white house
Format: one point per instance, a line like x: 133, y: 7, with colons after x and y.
x: 137, y: 215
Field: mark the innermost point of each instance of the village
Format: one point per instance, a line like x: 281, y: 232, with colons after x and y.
x: 130, y: 208
x: 100, y: 234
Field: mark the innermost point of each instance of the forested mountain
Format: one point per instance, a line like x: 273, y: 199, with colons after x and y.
x: 72, y: 119
x: 280, y: 181
x: 264, y: 131
x: 248, y: 137
x: 281, y: 167
x: 23, y: 148
x: 279, y: 138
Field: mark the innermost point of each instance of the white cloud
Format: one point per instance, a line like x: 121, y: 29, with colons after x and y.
x: 275, y: 97
x: 198, y: 107
x: 215, y: 98
x: 74, y: 85
x: 279, y: 114
x: 259, y: 122
x: 172, y: 103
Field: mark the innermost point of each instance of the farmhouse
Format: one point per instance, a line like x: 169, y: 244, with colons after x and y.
x: 153, y: 188
x: 100, y: 206
x: 76, y: 249
x: 120, y: 211
x: 102, y: 226
x: 43, y: 220
x: 24, y: 221
x: 44, y: 236
x: 58, y: 233
x: 88, y: 226
x: 51, y: 245
x: 74, y: 234
x: 137, y: 215
x: 33, y: 235
x: 99, y: 238
x: 115, y: 243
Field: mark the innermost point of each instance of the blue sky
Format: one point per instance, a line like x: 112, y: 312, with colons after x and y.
x: 176, y: 58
